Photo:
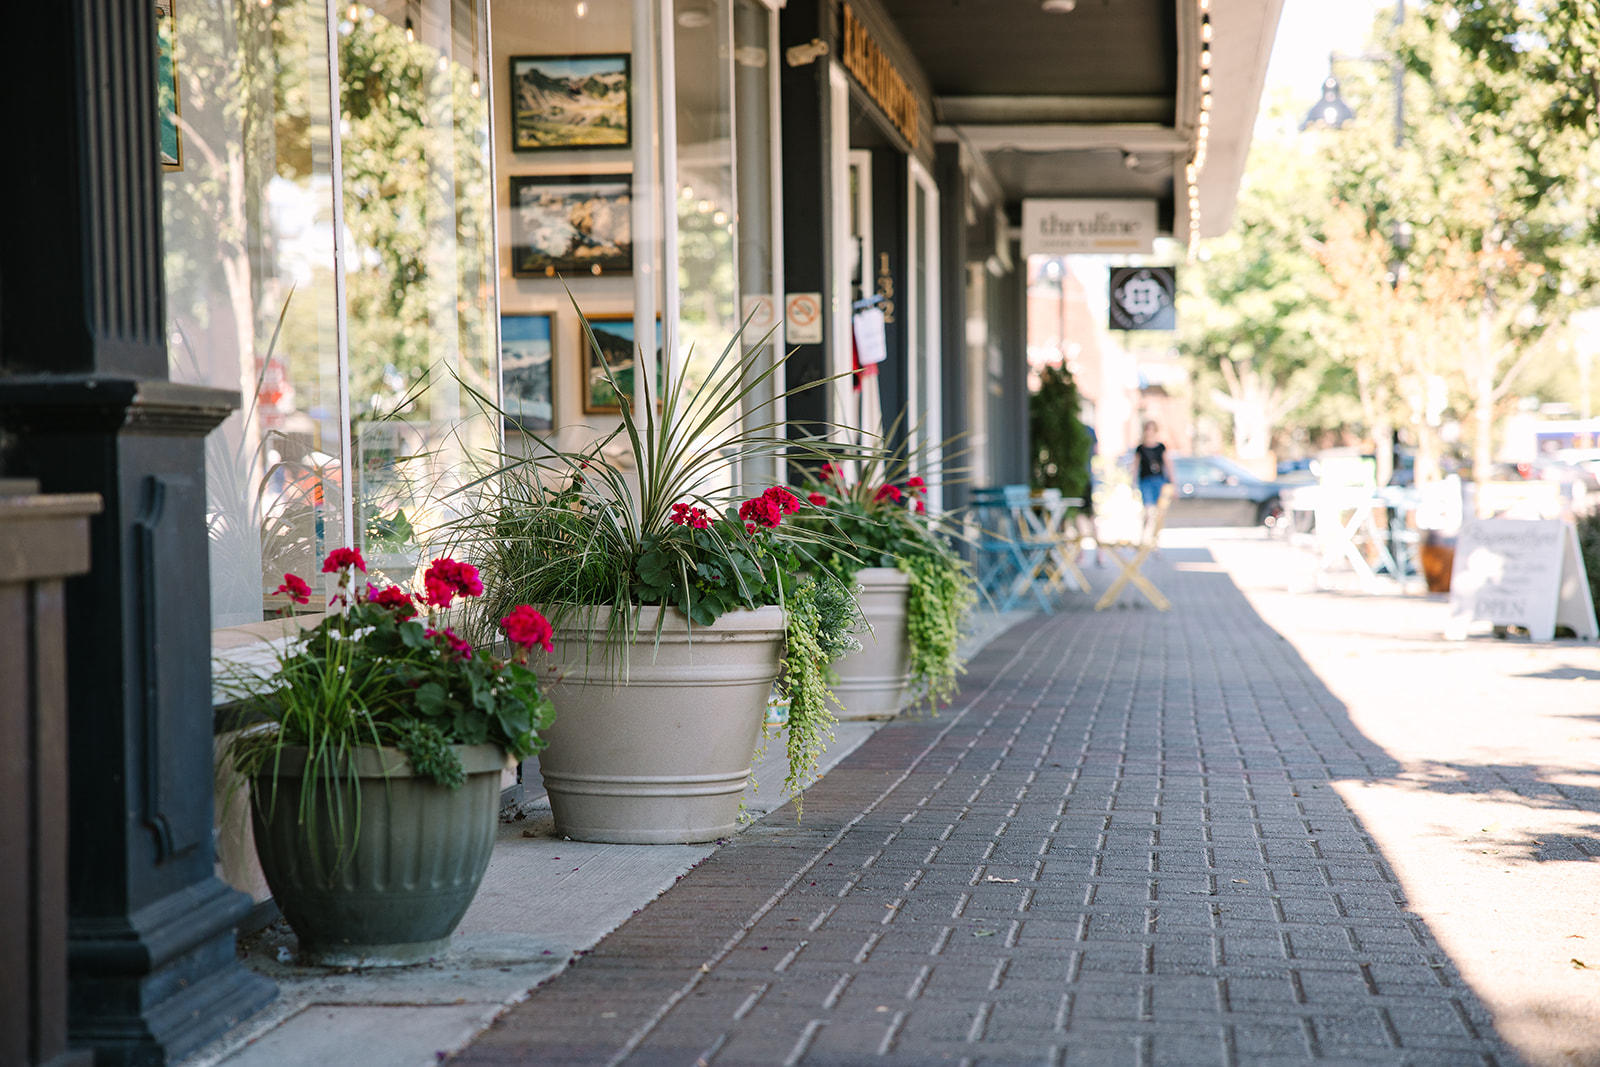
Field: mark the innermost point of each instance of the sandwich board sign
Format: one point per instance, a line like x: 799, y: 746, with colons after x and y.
x: 1520, y: 572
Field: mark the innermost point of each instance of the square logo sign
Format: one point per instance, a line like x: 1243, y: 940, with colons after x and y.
x: 1142, y: 298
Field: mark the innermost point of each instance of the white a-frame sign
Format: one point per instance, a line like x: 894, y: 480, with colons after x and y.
x: 1517, y: 572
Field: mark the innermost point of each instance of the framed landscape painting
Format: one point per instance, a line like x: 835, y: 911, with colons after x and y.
x: 571, y: 225
x: 614, y: 335
x: 167, y: 89
x: 569, y: 102
x: 527, y: 393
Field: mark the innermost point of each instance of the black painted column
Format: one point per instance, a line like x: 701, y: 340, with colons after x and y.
x: 951, y: 179
x: 804, y: 93
x: 85, y: 407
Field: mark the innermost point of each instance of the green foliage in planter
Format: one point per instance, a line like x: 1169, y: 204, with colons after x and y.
x: 370, y: 675
x: 818, y: 618
x: 881, y: 520
x: 1061, y: 443
x: 628, y: 521
x: 937, y: 603
x: 1589, y: 545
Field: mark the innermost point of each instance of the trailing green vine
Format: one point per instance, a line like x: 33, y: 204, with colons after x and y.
x: 817, y: 623
x: 940, y: 596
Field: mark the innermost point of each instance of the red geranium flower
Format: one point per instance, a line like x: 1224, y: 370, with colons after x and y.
x: 817, y: 499
x: 394, y: 598
x: 461, y: 646
x: 695, y: 518
x: 762, y: 511
x: 296, y: 589
x: 888, y: 492
x: 922, y: 509
x: 446, y: 579
x: 526, y: 628
x: 787, y: 502
x: 341, y: 558
x: 915, y: 484
x: 829, y: 472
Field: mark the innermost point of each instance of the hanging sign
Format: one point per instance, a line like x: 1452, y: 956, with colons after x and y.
x: 877, y: 75
x: 1520, y: 572
x: 1065, y: 227
x: 872, y: 344
x: 802, y: 318
x: 1142, y: 298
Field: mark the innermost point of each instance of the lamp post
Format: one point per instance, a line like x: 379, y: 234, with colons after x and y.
x: 1332, y: 112
x: 1056, y: 271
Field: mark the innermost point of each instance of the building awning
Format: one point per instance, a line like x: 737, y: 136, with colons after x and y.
x: 1100, y: 101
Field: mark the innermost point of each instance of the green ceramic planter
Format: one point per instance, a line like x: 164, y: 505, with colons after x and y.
x: 417, y: 861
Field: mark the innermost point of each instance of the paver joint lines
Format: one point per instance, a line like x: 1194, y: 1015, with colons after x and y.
x: 1119, y: 847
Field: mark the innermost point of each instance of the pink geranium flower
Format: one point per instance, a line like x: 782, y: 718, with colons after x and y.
x: 525, y: 628
x: 459, y: 645
x: 394, y: 598
x: 341, y: 558
x: 888, y: 492
x: 695, y: 518
x: 447, y: 579
x: 817, y: 499
x: 761, y: 511
x: 787, y: 502
x: 295, y: 588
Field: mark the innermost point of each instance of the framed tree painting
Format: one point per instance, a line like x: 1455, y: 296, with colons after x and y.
x: 167, y: 89
x: 614, y: 335
x: 569, y: 102
x: 527, y: 391
x: 571, y: 225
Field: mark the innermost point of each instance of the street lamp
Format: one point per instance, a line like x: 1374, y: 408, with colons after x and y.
x: 1056, y: 271
x: 1331, y: 111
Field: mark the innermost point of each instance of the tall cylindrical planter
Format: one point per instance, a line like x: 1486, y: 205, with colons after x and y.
x: 415, y: 866
x: 652, y: 743
x: 872, y: 682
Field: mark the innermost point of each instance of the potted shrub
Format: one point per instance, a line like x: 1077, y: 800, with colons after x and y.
x: 374, y: 771
x: 914, y: 590
x: 678, y: 605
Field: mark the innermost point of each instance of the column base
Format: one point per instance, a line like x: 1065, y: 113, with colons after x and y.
x: 151, y: 987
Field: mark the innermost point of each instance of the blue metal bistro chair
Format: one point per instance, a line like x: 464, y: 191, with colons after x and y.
x: 1010, y: 563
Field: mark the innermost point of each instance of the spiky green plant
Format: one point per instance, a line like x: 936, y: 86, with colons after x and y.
x: 575, y: 530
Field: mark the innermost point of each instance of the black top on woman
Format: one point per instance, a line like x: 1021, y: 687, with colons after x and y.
x: 1152, y: 461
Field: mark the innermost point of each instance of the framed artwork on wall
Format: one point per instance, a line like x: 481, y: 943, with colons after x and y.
x: 527, y: 391
x: 614, y: 335
x: 167, y: 89
x: 570, y: 102
x: 571, y: 225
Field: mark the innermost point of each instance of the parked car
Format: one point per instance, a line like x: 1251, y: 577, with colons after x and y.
x: 1216, y: 491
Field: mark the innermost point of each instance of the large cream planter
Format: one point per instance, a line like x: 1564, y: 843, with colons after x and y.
x: 872, y: 682
x: 657, y: 751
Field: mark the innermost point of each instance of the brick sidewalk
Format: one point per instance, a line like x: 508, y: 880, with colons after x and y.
x: 1120, y: 847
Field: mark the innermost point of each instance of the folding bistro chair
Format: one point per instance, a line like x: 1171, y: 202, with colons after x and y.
x: 1009, y: 563
x: 1061, y: 571
x: 1137, y: 553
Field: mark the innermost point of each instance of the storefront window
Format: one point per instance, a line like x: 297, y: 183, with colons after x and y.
x: 254, y: 293
x: 707, y: 205
x: 754, y: 99
x: 420, y: 285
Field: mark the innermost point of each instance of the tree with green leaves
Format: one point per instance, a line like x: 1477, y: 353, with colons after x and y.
x: 1061, y: 443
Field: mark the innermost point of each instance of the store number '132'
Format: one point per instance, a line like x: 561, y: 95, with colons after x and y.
x: 886, y: 287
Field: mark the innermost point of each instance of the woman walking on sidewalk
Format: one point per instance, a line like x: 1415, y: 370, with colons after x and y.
x: 1153, y: 473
